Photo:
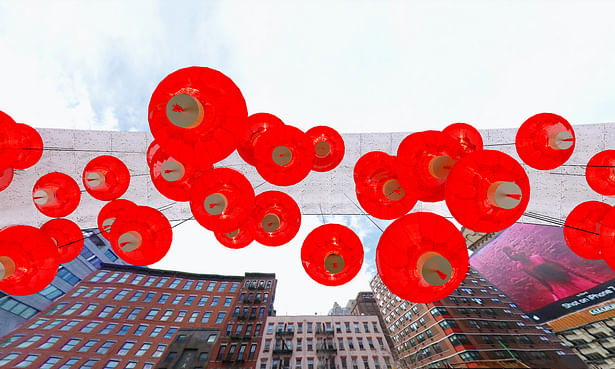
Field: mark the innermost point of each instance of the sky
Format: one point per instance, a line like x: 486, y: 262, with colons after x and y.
x: 357, y: 66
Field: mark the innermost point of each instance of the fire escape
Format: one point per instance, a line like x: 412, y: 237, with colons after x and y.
x: 325, y: 347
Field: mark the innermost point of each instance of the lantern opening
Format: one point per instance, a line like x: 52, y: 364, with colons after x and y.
x: 334, y: 263
x: 215, y: 203
x: 7, y: 267
x: 440, y: 166
x: 130, y: 241
x: 270, y: 222
x: 282, y: 155
x: 505, y: 195
x: 562, y: 140
x: 434, y: 268
x: 322, y: 149
x: 185, y: 111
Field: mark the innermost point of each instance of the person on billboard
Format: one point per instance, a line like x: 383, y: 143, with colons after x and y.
x: 560, y: 280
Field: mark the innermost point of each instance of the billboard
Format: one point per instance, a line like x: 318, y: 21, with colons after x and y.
x: 533, y: 266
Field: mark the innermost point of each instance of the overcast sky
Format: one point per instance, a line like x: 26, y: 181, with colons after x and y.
x: 358, y: 66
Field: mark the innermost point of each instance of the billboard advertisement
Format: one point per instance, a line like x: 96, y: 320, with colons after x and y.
x: 533, y: 266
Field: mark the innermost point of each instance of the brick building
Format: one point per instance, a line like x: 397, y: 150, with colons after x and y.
x: 127, y: 317
x: 324, y: 342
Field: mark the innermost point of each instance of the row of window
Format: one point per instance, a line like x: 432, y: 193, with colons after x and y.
x: 239, y: 329
x: 148, y: 297
x: 119, y: 277
x: 256, y: 284
x: 11, y: 305
x: 326, y: 326
x: 282, y: 344
x: 70, y: 363
x: 251, y: 311
x: 346, y: 362
x: 232, y: 349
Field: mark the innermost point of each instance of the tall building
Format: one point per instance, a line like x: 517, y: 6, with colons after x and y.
x: 127, y: 317
x: 16, y: 310
x: 476, y: 326
x: 324, y: 342
x: 338, y: 310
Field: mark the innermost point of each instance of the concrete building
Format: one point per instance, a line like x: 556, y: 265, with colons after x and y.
x: 590, y: 333
x: 127, y: 317
x: 338, y: 310
x: 16, y: 310
x: 324, y: 342
x: 475, y: 327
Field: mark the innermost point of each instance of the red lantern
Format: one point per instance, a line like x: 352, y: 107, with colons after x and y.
x: 142, y: 236
x: 109, y: 212
x: 607, y: 235
x: 30, y: 146
x: 421, y: 257
x: 197, y: 114
x: 332, y: 254
x: 545, y: 141
x: 284, y: 155
x: 468, y: 137
x: 9, y: 141
x: 237, y: 239
x: 328, y: 146
x: 600, y: 173
x: 106, y: 178
x: 377, y: 186
x: 276, y: 218
x: 222, y: 200
x: 172, y: 178
x: 487, y: 191
x: 56, y: 195
x: 28, y: 260
x: 152, y: 149
x: 67, y: 237
x: 582, y: 228
x: 257, y: 124
x: 6, y: 176
x: 424, y: 160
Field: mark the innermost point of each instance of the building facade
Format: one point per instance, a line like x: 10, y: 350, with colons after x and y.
x: 16, y: 310
x: 128, y: 317
x: 324, y: 342
x: 475, y: 327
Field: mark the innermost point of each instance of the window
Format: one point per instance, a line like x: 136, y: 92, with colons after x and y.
x: 29, y: 341
x: 89, y: 364
x: 69, y: 363
x: 340, y: 344
x: 126, y: 347
x: 199, y: 285
x: 152, y: 314
x: 111, y: 364
x: 180, y: 317
x: 104, y: 348
x: 149, y: 297
x: 79, y: 292
x: 120, y: 295
x: 220, y: 317
x: 163, y: 299
x: 27, y: 361
x: 175, y: 283
x: 70, y: 344
x: 159, y: 351
x: 71, y: 310
x: 268, y: 284
x: 215, y: 300
x: 203, y: 301
x: 49, y: 363
x: 193, y: 316
x: 266, y: 296
x: 162, y: 281
x: 50, y: 342
x: 56, y: 308
x: 211, y: 286
x: 187, y: 285
x: 140, y: 329
x: 234, y: 287
x: 252, y: 351
x: 177, y: 299
x: 88, y: 345
x: 149, y: 281
x: 470, y: 356
x: 222, y: 286
x: 347, y: 325
x: 261, y: 312
x: 53, y: 324
x: 134, y: 313
x: 89, y: 327
x: 309, y: 344
x: 92, y: 292
x: 231, y: 351
x: 350, y: 344
x: 97, y: 277
x: 156, y: 331
x: 189, y: 300
x: 88, y: 310
x: 257, y: 330
x: 125, y: 328
x: 143, y: 349
x: 170, y: 332
x: 227, y: 301
x: 241, y: 352
x: 105, y: 293
x: 299, y: 344
x: 171, y: 356
x: 108, y: 328
x: 310, y: 363
x: 309, y: 327
x: 212, y: 338
x: 12, y: 339
x: 206, y: 316
x: 360, y: 341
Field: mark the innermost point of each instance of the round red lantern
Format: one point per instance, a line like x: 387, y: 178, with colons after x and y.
x: 424, y: 160
x: 468, y: 137
x: 109, y: 212
x: 607, y: 234
x: 152, y: 149
x: 197, y: 114
x: 377, y: 186
x: 142, y: 236
x: 56, y: 195
x: 6, y: 176
x: 284, y: 155
x: 67, y: 237
x: 276, y: 218
x: 332, y: 254
x: 222, y: 199
x: 172, y: 178
x: 237, y: 239
x: 600, y: 173
x: 257, y: 124
x: 545, y: 141
x: 421, y: 257
x: 28, y: 260
x: 328, y: 147
x: 487, y: 191
x: 106, y: 178
x: 30, y: 146
x: 9, y: 141
x: 582, y: 228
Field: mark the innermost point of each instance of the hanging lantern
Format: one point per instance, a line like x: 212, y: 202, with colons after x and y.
x: 142, y: 236
x: 109, y: 212
x: 197, y: 114
x: 332, y: 254
x: 257, y: 124
x: 421, y: 257
x: 30, y: 146
x: 67, y: 237
x: 600, y: 173
x: 468, y: 137
x: 284, y: 155
x: 9, y: 141
x: 237, y: 239
x: 106, y: 178
x: 276, y: 218
x: 222, y: 199
x: 487, y: 191
x: 377, y: 186
x: 56, y: 195
x: 6, y: 176
x: 582, y: 229
x: 172, y: 178
x: 328, y: 147
x: 28, y: 260
x: 545, y: 141
x: 152, y: 149
x: 607, y: 235
x: 424, y: 160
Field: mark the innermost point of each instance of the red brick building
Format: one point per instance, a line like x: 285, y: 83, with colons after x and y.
x: 127, y: 317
